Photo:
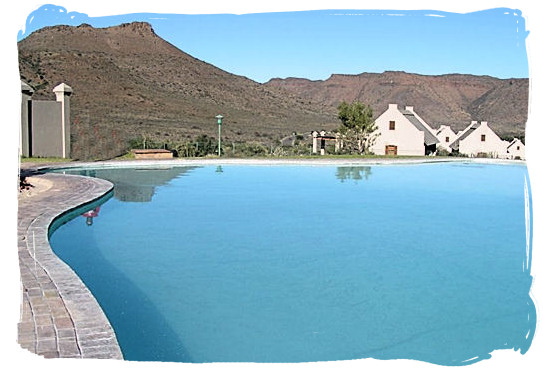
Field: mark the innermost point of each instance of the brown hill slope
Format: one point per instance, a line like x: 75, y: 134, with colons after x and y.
x: 129, y: 83
x: 452, y: 99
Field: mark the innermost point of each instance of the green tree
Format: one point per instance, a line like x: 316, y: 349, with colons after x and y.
x: 357, y: 127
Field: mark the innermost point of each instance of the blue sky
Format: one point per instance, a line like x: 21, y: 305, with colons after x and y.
x: 315, y: 44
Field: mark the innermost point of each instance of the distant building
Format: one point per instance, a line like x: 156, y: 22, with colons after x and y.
x: 446, y: 137
x: 479, y: 140
x: 403, y: 132
x: 516, y: 149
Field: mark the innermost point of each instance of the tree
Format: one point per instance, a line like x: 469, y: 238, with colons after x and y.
x: 357, y: 126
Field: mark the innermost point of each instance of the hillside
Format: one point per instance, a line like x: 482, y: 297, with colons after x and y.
x: 129, y: 83
x: 452, y: 99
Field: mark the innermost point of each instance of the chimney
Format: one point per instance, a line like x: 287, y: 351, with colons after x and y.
x: 485, y: 124
x: 393, y: 106
x: 409, y: 108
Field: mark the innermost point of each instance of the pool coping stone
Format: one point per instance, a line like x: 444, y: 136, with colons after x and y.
x: 60, y: 318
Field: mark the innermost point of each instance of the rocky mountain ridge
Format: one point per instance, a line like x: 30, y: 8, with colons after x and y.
x: 452, y: 99
x: 129, y: 83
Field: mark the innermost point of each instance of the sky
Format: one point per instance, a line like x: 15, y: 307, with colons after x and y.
x: 316, y: 44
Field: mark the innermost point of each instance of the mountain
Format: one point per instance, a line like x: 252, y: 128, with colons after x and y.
x: 129, y: 83
x: 453, y: 99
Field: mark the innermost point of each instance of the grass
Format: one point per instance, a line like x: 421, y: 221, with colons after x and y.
x: 314, y: 157
x: 130, y: 156
x: 44, y: 160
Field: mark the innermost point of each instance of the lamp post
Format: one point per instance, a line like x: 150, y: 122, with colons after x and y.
x: 219, y: 123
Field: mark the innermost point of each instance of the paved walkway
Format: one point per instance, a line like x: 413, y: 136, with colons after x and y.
x: 59, y: 316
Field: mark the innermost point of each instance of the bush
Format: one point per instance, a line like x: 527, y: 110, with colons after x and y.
x: 202, y: 146
x: 442, y: 152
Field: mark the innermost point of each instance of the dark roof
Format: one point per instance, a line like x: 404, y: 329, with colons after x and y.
x: 515, y: 140
x: 429, y: 137
x: 468, y: 131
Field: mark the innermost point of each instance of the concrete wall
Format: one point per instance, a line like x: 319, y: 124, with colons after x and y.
x: 26, y: 100
x: 408, y: 139
x: 46, y: 129
x: 492, y: 146
x: 45, y: 125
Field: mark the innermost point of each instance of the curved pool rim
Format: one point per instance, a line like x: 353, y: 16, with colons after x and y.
x: 73, y: 211
x: 71, y: 323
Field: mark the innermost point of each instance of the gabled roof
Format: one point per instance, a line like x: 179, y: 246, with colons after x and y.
x: 514, y: 142
x: 25, y: 88
x: 466, y: 133
x: 429, y: 137
x: 443, y: 128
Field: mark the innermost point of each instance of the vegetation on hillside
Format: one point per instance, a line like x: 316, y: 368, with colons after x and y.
x: 134, y: 89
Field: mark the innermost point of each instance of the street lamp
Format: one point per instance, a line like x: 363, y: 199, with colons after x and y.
x: 219, y: 123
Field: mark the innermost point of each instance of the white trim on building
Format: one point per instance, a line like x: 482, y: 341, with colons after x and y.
x: 403, y: 132
x: 479, y: 140
x: 446, y: 137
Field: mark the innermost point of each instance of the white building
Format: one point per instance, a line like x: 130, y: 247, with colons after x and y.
x: 516, y: 149
x: 446, y: 137
x: 479, y: 140
x: 403, y: 132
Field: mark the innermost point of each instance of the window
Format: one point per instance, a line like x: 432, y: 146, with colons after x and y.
x: 518, y: 148
x: 392, y: 125
x: 447, y: 139
x: 483, y: 138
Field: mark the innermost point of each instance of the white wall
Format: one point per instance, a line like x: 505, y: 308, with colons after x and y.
x: 517, y: 149
x: 408, y: 139
x: 493, y: 146
x: 444, y: 132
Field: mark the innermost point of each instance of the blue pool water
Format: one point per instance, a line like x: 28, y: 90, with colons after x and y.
x: 310, y: 263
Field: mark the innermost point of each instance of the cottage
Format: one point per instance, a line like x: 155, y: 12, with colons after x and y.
x: 516, y: 150
x: 446, y: 137
x: 403, y: 132
x: 479, y: 140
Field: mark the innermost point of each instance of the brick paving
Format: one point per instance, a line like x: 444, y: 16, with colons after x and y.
x: 59, y: 315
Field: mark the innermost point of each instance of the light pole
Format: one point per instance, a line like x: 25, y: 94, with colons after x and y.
x: 219, y: 123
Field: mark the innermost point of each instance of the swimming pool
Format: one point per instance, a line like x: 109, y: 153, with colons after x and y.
x: 304, y: 263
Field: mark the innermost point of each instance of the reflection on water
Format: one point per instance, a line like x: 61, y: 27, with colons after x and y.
x: 269, y: 284
x: 136, y: 184
x: 355, y: 173
x: 90, y: 215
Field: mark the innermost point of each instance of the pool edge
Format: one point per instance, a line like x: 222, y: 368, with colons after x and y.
x: 59, y: 315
